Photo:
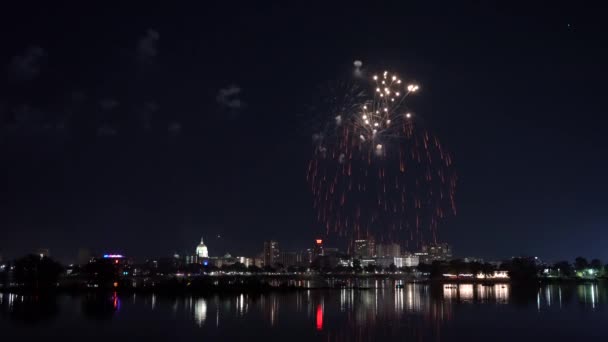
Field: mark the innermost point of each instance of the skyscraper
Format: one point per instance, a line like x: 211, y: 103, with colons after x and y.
x: 289, y: 259
x: 271, y: 253
x: 436, y: 252
x: 392, y: 250
x: 364, y: 248
x: 317, y: 250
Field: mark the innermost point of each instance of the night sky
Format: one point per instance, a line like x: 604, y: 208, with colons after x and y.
x: 137, y: 129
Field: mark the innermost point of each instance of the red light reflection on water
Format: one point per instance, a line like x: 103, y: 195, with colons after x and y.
x: 319, y: 317
x: 115, y: 301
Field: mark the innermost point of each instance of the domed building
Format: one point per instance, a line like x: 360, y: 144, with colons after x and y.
x: 201, y: 250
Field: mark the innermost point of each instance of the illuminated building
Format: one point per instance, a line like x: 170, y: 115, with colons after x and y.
x: 289, y: 259
x: 435, y: 252
x: 501, y: 274
x: 113, y: 256
x: 201, y: 250
x: 226, y: 260
x: 411, y: 261
x: 258, y: 262
x: 345, y: 262
x: 191, y: 259
x: 245, y: 261
x: 422, y: 257
x: 317, y: 250
x: 271, y: 253
x: 367, y: 262
x: 331, y: 251
x: 388, y: 250
x: 364, y: 248
x: 386, y: 262
x: 307, y: 256
x: 398, y: 261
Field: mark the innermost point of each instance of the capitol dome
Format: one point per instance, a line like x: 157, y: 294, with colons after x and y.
x: 201, y: 250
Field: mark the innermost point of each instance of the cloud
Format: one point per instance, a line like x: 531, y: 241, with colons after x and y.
x: 147, y: 46
x: 26, y: 66
x: 229, y: 97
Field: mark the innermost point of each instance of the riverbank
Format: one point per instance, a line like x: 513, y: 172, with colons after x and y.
x: 235, y: 283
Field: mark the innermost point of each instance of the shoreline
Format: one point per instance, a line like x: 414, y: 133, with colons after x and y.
x: 263, y: 285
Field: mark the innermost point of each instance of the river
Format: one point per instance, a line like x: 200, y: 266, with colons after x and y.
x: 416, y: 312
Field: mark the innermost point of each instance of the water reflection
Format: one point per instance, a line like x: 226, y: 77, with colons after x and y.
x: 319, y: 317
x: 28, y: 308
x: 588, y: 294
x: 557, y: 296
x: 482, y: 293
x: 377, y: 310
x: 100, y: 305
x: 200, y: 311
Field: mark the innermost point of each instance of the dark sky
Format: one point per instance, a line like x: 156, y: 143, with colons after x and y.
x: 137, y: 129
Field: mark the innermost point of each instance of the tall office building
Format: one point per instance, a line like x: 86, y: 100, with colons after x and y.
x: 411, y: 260
x: 317, y: 250
x: 436, y: 252
x: 364, y: 248
x: 330, y: 251
x: 289, y: 259
x: 392, y: 250
x: 271, y: 253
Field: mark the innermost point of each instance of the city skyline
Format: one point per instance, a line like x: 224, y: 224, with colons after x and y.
x: 270, y: 253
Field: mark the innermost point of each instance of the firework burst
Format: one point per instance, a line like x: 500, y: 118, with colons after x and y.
x: 375, y: 172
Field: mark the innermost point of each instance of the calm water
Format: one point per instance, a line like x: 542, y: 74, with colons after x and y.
x: 416, y: 312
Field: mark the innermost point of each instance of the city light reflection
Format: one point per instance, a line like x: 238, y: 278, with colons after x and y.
x: 501, y: 293
x: 399, y: 302
x: 465, y: 292
x: 588, y: 294
x: 330, y: 313
x: 200, y: 311
x: 116, y: 301
x: 319, y: 317
x: 450, y: 291
x: 414, y: 298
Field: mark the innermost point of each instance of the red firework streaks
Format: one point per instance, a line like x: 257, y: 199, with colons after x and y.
x: 381, y: 175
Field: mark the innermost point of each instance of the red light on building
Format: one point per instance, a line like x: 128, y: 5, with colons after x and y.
x: 319, y: 241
